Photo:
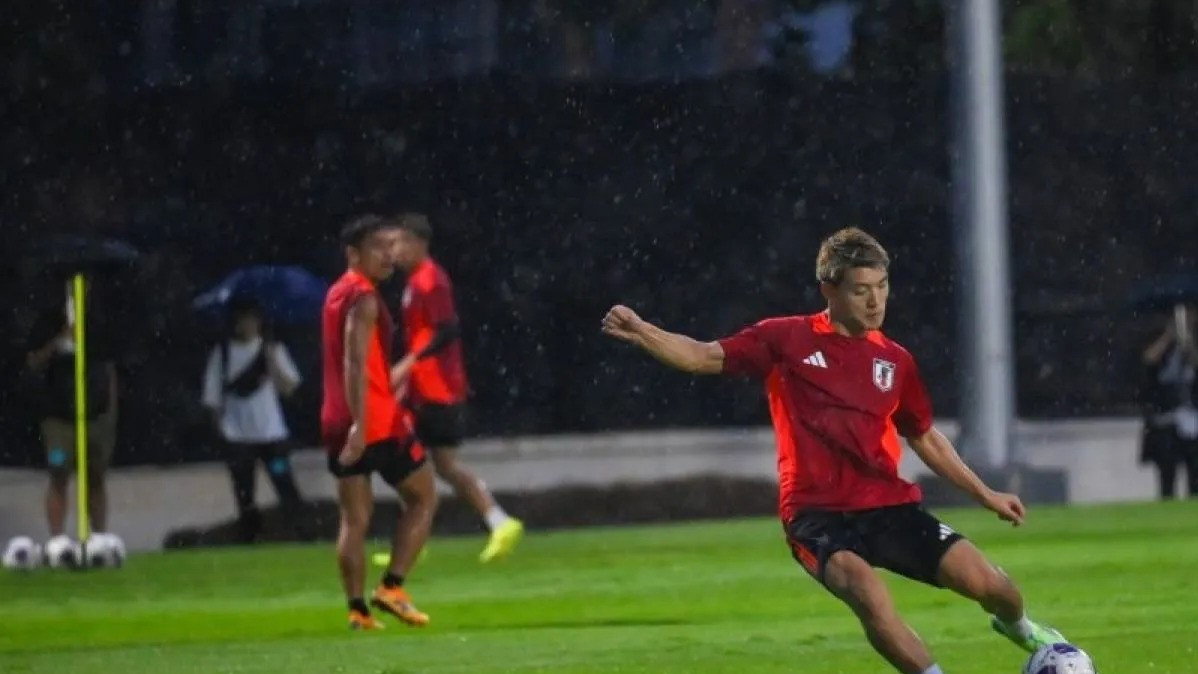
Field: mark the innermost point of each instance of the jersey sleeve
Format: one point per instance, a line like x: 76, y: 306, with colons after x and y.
x: 752, y: 351
x: 914, y: 414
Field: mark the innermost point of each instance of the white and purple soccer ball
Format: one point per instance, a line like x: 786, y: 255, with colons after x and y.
x: 1059, y: 658
x: 22, y: 554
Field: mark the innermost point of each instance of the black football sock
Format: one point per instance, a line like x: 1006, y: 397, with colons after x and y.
x: 391, y: 580
x: 359, y: 604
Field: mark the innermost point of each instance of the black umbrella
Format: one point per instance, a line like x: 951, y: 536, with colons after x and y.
x: 1162, y: 293
x: 70, y: 254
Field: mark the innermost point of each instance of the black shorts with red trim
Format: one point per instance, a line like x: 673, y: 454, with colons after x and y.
x: 905, y: 539
x: 394, y: 459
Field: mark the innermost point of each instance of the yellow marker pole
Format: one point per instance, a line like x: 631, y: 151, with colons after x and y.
x: 80, y: 410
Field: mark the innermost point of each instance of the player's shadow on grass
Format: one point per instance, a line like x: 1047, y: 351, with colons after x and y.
x: 581, y: 623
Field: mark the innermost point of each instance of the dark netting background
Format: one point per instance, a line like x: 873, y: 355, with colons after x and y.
x: 698, y: 202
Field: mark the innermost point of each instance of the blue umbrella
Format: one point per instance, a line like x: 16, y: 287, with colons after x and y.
x: 288, y: 295
x: 1161, y: 293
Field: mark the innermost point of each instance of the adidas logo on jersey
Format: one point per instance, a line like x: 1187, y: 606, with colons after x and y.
x: 945, y: 531
x: 816, y: 359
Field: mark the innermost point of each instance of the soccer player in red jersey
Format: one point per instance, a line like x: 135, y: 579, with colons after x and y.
x: 436, y: 378
x: 364, y: 431
x: 840, y: 394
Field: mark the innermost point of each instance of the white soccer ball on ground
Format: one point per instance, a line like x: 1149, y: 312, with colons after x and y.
x: 63, y: 552
x: 1059, y: 658
x: 95, y: 551
x: 22, y: 554
x: 116, y: 550
x: 104, y: 550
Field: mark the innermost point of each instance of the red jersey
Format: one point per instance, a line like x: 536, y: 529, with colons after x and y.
x: 838, y: 405
x: 428, y: 303
x: 382, y: 417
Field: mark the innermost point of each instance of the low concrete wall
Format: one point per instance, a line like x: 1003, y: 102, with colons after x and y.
x: 147, y: 502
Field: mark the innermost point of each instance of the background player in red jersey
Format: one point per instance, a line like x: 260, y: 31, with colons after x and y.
x: 436, y: 377
x: 840, y: 393
x: 364, y: 431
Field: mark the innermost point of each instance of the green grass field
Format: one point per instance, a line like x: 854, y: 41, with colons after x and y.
x: 1122, y: 582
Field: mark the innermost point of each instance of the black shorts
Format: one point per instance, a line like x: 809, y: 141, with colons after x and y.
x: 905, y: 539
x: 393, y: 459
x: 440, y: 426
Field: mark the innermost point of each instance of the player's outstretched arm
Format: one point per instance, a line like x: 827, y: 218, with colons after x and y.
x: 678, y: 351
x: 938, y: 453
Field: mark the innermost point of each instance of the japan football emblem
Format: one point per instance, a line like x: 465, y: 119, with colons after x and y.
x: 883, y: 374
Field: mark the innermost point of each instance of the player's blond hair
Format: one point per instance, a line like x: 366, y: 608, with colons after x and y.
x: 846, y: 249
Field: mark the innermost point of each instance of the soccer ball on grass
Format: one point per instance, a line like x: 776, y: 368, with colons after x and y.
x: 1059, y: 659
x: 63, y: 552
x: 22, y: 554
x: 104, y: 550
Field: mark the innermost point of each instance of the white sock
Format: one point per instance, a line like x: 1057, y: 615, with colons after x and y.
x: 934, y: 669
x: 1021, y: 627
x: 495, y: 517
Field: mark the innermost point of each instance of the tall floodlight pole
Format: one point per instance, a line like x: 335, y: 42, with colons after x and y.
x: 987, y: 400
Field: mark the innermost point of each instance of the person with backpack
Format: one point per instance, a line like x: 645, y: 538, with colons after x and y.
x: 247, y: 375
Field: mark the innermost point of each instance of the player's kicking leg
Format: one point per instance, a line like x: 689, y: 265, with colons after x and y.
x: 912, y: 542
x: 356, y: 504
x: 419, y: 494
x: 506, y: 531
x: 967, y: 572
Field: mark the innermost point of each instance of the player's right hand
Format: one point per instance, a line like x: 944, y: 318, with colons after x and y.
x: 622, y: 323
x: 355, y: 447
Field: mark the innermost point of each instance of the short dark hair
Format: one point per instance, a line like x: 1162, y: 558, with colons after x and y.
x: 415, y: 224
x: 356, y: 231
x: 847, y: 249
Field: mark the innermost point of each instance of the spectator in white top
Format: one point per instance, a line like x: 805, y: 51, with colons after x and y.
x: 246, y: 375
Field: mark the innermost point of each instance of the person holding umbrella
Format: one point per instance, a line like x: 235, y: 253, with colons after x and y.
x: 247, y: 375
x: 51, y: 360
x: 1169, y: 398
x: 52, y: 356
